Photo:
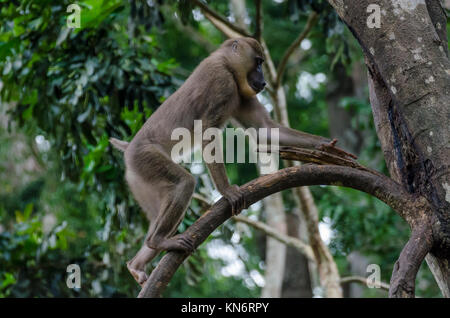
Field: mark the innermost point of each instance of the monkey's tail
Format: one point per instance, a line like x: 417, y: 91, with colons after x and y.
x: 119, y: 144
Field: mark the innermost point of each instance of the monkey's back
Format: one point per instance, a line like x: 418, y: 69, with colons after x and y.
x: 209, y: 94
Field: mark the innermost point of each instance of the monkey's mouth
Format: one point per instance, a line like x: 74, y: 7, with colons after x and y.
x: 257, y: 88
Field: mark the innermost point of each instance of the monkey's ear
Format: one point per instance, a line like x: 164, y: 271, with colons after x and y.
x: 234, y: 46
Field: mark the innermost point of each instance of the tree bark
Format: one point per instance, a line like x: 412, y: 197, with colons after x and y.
x: 409, y: 81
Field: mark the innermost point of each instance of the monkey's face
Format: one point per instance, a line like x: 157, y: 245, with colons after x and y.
x: 246, y: 58
x: 255, y: 77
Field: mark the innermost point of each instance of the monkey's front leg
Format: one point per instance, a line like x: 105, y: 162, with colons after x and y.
x: 232, y: 193
x: 295, y: 138
x: 236, y: 198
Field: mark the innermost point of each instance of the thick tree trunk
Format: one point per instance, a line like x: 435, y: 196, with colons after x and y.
x: 409, y: 80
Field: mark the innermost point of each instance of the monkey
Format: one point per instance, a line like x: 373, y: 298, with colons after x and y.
x: 223, y: 86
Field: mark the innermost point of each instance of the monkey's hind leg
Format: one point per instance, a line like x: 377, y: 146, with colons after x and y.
x: 171, y: 213
x: 178, y: 189
x: 148, y: 199
x: 136, y: 266
x: 163, y: 189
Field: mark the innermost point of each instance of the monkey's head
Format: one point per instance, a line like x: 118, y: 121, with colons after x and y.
x: 245, y: 57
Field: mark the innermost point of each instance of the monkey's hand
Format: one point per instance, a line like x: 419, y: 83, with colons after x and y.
x: 236, y: 199
x: 331, y: 148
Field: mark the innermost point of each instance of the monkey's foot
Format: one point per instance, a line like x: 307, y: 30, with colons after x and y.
x: 139, y: 274
x: 179, y: 242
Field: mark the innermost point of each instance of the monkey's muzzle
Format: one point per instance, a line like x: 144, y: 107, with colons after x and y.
x: 258, y: 86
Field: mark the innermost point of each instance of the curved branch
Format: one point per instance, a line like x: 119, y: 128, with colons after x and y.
x: 380, y: 186
x: 312, y: 19
x: 403, y: 277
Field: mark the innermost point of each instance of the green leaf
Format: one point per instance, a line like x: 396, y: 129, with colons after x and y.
x: 28, y: 210
x: 93, y: 12
x: 9, y: 279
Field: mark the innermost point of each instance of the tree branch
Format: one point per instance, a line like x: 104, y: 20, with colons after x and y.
x: 380, y: 186
x: 195, y: 35
x: 439, y: 18
x: 312, y: 19
x: 301, y: 246
x: 221, y: 23
x: 361, y: 280
x: 403, y: 277
x: 202, y: 198
x: 258, y: 21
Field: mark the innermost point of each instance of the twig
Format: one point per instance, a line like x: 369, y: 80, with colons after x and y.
x: 301, y: 246
x: 259, y: 21
x: 321, y: 158
x: 361, y: 280
x: 210, y: 13
x: 312, y: 19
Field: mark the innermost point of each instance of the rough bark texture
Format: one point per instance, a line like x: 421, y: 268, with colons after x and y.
x: 409, y: 80
x: 379, y: 186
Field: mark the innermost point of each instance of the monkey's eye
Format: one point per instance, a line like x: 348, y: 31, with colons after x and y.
x: 259, y: 60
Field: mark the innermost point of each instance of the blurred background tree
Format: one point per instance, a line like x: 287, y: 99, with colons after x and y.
x: 63, y: 199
